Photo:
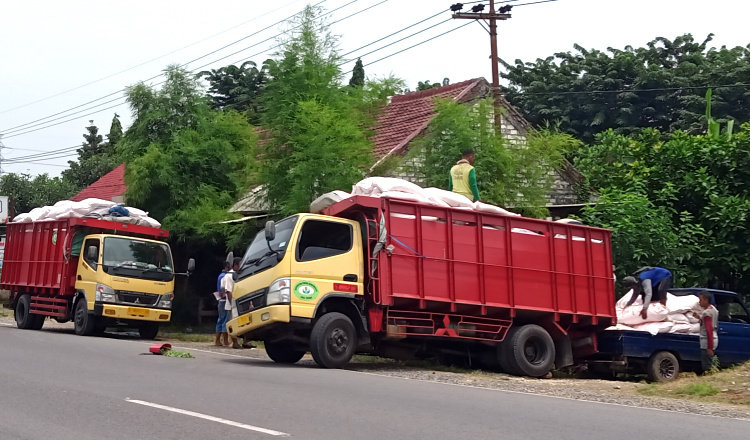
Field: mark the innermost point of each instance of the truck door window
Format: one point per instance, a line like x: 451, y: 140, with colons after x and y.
x: 731, y: 310
x: 322, y: 239
x: 90, y: 242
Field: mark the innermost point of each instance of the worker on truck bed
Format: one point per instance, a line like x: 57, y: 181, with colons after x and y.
x: 650, y: 282
x: 463, y: 177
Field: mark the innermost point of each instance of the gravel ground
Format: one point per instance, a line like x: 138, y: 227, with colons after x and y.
x: 605, y: 391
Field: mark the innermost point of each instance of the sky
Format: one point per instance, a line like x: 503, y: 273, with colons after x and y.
x: 58, y: 59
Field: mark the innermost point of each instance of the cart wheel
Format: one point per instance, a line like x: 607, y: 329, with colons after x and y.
x: 662, y: 367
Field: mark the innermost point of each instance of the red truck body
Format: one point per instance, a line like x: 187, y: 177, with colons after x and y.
x: 37, y: 255
x: 459, y: 273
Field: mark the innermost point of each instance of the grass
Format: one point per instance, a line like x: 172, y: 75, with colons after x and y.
x: 177, y: 354
x: 730, y: 385
x: 5, y: 312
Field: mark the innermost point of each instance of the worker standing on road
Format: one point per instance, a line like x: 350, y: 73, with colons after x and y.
x: 227, y: 286
x: 463, y: 177
x: 221, y: 321
x: 709, y: 336
x: 650, y: 282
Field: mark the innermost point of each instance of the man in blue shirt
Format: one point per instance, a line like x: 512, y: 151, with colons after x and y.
x: 221, y: 321
x: 652, y: 283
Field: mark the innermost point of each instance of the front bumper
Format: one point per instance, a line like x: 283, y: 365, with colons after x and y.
x: 258, y: 318
x: 133, y: 313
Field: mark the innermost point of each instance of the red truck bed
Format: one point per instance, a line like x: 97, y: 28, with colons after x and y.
x: 37, y: 255
x: 453, y: 260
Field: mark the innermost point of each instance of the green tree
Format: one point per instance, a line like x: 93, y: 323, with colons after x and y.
x: 185, y: 162
x: 316, y: 129
x: 510, y: 176
x: 358, y: 74
x: 95, y: 158
x: 590, y: 91
x: 695, y: 187
x: 29, y: 193
x: 237, y: 88
x: 426, y: 85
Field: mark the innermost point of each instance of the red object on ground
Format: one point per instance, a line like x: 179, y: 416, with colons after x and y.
x: 160, y: 348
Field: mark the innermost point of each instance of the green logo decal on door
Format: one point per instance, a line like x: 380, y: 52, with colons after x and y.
x: 305, y: 290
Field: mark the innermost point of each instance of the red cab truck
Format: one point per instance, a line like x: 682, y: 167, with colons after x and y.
x: 97, y: 273
x: 401, y: 279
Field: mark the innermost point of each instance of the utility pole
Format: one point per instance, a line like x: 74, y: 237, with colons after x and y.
x: 493, y: 16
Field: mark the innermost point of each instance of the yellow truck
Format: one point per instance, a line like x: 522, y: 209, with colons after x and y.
x: 98, y: 273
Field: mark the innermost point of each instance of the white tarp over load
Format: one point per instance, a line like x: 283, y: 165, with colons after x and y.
x: 88, y: 208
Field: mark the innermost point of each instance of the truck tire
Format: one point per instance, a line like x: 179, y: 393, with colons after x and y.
x: 283, y: 352
x: 24, y: 318
x: 148, y: 330
x: 662, y: 366
x: 83, y: 322
x: 531, y: 351
x: 333, y: 340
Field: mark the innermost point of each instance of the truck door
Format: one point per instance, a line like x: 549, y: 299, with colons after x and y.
x: 86, y: 277
x: 734, y: 330
x: 327, y: 259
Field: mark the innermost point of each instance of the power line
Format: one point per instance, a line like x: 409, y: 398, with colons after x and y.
x: 418, y: 44
x: 147, y: 62
x: 657, y: 89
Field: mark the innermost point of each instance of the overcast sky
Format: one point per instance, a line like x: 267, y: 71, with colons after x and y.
x: 57, y: 55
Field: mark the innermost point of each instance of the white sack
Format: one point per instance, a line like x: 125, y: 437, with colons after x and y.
x: 135, y: 212
x: 692, y: 319
x: 22, y: 218
x: 620, y: 304
x: 680, y: 327
x: 374, y: 186
x: 678, y: 318
x: 682, y: 303
x: 95, y: 203
x: 654, y: 327
x: 695, y: 329
x: 619, y: 326
x: 492, y: 209
x: 328, y: 199
x: 37, y: 214
x: 452, y: 199
x: 400, y: 195
x: 631, y: 315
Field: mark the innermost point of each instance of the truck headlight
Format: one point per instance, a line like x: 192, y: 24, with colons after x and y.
x: 165, y: 302
x: 279, y: 292
x: 105, y: 293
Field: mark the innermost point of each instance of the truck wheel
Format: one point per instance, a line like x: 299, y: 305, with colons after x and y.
x: 83, y: 322
x: 504, y: 353
x: 148, y: 330
x: 283, y: 352
x: 662, y: 367
x: 531, y: 351
x: 333, y: 340
x: 24, y: 318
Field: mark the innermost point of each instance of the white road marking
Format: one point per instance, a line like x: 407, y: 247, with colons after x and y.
x: 211, y: 418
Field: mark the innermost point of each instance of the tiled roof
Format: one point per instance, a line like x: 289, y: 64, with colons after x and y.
x: 110, y: 185
x: 407, y: 115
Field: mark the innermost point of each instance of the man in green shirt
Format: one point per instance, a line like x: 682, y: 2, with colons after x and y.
x: 463, y: 178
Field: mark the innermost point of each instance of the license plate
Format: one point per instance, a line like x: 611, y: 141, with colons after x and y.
x: 137, y: 311
x: 244, y: 319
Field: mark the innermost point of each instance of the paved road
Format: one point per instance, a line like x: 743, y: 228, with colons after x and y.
x: 62, y: 386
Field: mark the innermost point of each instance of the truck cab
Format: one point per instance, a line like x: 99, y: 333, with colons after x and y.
x: 295, y: 270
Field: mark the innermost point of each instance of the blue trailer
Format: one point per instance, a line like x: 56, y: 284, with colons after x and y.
x: 663, y: 356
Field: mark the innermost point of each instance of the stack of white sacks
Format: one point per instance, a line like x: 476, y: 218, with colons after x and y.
x: 676, y: 317
x: 89, y: 208
x: 389, y: 187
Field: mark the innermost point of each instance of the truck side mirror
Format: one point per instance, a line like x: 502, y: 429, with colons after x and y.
x: 191, y: 265
x: 92, y: 253
x: 270, y: 230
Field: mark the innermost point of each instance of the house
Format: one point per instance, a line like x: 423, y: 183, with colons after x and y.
x: 404, y: 119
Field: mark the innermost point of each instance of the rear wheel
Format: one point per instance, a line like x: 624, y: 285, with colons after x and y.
x: 283, y: 352
x: 530, y: 351
x: 662, y: 367
x: 148, y: 330
x: 24, y: 318
x: 83, y: 322
x: 333, y: 340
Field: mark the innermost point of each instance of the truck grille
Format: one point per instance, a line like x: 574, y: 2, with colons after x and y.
x: 252, y: 301
x: 146, y: 299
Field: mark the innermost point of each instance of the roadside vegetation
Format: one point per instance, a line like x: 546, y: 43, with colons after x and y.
x: 728, y: 386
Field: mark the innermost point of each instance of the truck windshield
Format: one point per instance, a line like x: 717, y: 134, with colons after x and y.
x: 137, y: 259
x: 259, y: 257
